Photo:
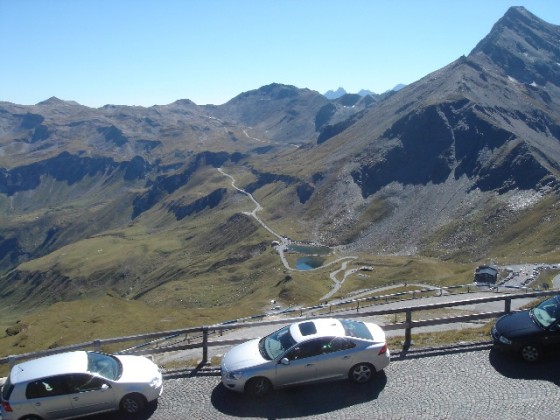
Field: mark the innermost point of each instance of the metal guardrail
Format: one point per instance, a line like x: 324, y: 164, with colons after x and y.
x: 199, y: 336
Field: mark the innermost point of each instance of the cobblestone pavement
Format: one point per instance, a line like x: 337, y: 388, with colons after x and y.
x: 470, y: 382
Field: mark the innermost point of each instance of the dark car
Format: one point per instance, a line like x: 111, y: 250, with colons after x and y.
x: 531, y: 332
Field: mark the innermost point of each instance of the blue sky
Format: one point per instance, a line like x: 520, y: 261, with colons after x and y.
x: 147, y: 52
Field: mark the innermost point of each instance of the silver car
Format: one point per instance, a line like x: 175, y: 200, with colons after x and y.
x: 304, y: 352
x: 75, y: 384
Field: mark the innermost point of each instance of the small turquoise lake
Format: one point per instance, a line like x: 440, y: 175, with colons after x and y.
x: 313, y: 255
x: 309, y: 262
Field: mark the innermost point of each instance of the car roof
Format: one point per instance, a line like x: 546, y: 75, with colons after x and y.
x: 321, y: 327
x: 56, y: 364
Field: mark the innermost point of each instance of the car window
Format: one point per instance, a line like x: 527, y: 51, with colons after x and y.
x: 307, y: 349
x: 83, y: 382
x: 47, y: 387
x: 337, y: 344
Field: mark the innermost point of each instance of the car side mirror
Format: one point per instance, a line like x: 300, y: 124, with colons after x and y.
x: 285, y: 361
x: 105, y: 387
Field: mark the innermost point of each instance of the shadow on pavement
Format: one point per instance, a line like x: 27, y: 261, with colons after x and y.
x: 439, y: 351
x: 116, y: 415
x: 512, y: 366
x: 298, y: 401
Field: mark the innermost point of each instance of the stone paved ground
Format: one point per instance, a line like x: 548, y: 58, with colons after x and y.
x: 472, y: 382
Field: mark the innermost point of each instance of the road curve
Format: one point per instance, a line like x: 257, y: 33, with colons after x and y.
x: 281, y: 248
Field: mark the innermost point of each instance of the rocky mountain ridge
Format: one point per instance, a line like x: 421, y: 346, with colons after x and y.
x: 441, y: 167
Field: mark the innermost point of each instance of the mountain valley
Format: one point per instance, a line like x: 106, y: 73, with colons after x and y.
x: 124, y: 207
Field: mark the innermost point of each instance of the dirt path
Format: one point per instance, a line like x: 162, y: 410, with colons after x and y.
x: 284, y: 242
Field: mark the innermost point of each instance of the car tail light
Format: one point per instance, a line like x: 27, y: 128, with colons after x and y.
x: 383, y: 349
x: 7, y: 407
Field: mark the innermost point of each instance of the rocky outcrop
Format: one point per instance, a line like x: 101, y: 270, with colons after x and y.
x: 181, y: 210
x: 70, y: 169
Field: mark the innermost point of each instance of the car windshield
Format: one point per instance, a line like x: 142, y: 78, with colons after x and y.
x: 547, y: 313
x: 104, y: 365
x: 276, y: 343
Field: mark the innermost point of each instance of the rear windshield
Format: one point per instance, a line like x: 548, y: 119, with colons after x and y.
x: 7, y: 390
x: 356, y: 329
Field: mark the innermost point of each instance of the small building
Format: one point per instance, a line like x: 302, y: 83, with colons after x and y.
x: 486, y: 274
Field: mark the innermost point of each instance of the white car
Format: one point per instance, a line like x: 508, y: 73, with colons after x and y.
x: 75, y: 384
x: 304, y: 352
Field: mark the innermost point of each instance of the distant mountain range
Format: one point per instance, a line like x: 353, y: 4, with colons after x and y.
x: 335, y: 94
x: 462, y: 165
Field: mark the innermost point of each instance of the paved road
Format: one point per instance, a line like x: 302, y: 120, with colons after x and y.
x: 261, y: 331
x: 454, y: 383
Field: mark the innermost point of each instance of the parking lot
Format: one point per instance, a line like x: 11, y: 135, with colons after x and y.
x: 460, y: 382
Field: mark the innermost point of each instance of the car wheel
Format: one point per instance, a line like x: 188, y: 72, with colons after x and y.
x: 30, y: 418
x: 531, y: 352
x: 258, y: 387
x: 132, y: 404
x: 361, y: 373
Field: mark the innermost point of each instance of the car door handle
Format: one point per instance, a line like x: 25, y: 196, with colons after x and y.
x: 310, y: 364
x: 346, y: 357
x: 76, y: 398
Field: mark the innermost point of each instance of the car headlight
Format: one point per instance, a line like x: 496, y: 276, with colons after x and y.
x: 504, y: 340
x: 235, y: 375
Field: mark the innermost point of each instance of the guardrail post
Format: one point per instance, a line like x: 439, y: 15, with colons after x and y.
x: 96, y: 345
x: 204, y: 345
x: 507, y: 302
x: 407, y: 330
x: 358, y: 307
x: 11, y: 362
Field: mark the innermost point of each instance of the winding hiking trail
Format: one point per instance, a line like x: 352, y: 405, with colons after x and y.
x: 284, y: 242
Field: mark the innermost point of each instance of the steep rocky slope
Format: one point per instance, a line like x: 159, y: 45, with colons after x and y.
x: 448, y: 146
x: 447, y: 166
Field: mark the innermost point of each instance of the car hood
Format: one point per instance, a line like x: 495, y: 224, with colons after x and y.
x: 243, y: 356
x: 516, y: 324
x: 137, y: 369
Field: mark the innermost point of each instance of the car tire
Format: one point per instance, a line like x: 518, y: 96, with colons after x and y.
x: 132, y: 404
x: 30, y: 418
x: 258, y: 387
x: 531, y: 352
x: 361, y: 373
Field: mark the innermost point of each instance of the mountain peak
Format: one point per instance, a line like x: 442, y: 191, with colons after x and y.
x: 335, y: 94
x: 53, y: 100
x: 524, y: 46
